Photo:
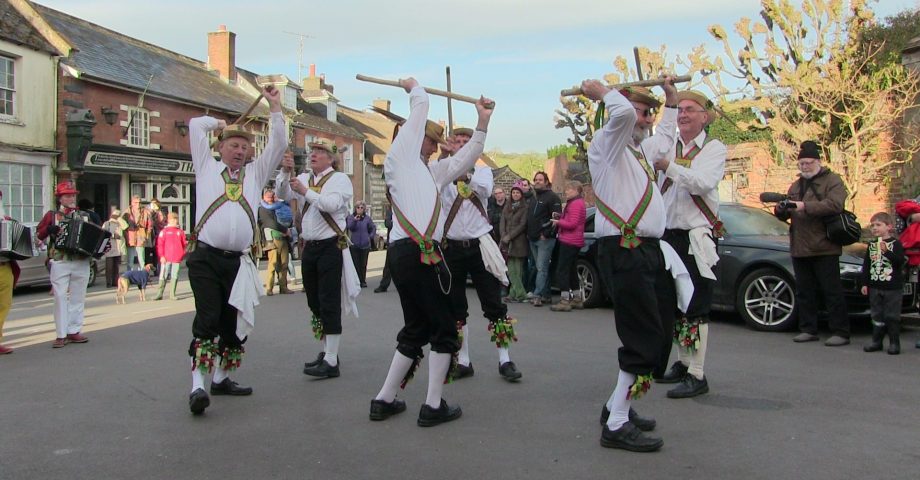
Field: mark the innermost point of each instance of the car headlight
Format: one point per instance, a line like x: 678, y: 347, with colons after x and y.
x: 850, y: 268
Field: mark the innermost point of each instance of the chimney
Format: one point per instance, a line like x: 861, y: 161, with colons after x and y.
x: 382, y: 104
x: 312, y: 70
x: 222, y: 53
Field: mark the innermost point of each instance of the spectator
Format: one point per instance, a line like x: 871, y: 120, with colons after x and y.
x: 361, y: 229
x: 275, y: 242
x: 87, y: 206
x: 542, y: 233
x: 817, y: 193
x: 495, y: 208
x: 883, y: 281
x: 157, y: 222
x: 529, y: 272
x: 171, y: 243
x: 385, y: 278
x: 514, y: 243
x: 571, y: 227
x: 140, y: 226
x: 113, y: 257
x: 9, y: 273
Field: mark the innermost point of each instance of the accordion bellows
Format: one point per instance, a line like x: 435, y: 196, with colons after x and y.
x: 15, y: 240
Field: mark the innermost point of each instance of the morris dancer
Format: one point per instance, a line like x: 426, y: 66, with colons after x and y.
x: 630, y: 222
x: 419, y: 273
x: 470, y: 249
x: 221, y: 272
x: 69, y: 271
x: 690, y: 188
x: 326, y: 264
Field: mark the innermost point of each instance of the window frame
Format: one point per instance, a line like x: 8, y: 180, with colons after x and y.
x: 141, y: 120
x: 11, y: 89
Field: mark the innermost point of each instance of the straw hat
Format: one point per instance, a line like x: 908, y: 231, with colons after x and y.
x: 462, y: 131
x: 435, y: 132
x: 641, y: 95
x: 698, y: 97
x: 236, y: 131
x: 327, y: 145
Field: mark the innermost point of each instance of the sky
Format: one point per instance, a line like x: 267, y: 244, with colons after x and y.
x: 519, y: 53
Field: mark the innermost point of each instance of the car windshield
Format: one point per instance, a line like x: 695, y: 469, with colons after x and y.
x: 743, y: 221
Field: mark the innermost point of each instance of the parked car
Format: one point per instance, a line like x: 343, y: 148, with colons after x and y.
x: 35, y: 273
x: 755, y: 276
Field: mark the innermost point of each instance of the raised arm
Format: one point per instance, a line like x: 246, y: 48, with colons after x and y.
x: 277, y: 137
x: 198, y: 129
x: 608, y: 142
x: 336, y: 194
x: 407, y: 145
x: 448, y: 169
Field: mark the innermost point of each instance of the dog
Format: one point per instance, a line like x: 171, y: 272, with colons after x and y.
x: 124, y: 283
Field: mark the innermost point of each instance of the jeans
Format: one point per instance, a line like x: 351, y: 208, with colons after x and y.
x: 542, y: 253
x: 138, y: 253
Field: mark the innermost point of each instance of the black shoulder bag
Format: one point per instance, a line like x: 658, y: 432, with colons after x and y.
x: 842, y: 228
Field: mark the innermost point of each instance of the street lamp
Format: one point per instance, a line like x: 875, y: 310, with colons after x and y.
x: 110, y: 115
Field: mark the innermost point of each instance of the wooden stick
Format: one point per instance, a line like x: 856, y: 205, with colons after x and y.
x: 433, y: 91
x: 450, y: 109
x: 641, y: 83
x: 249, y: 110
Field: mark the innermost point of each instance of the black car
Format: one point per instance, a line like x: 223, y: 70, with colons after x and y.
x: 754, y: 272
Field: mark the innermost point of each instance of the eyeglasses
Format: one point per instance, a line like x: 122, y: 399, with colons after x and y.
x: 689, y: 110
x: 644, y: 112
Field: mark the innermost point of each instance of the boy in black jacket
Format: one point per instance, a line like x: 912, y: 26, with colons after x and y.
x: 883, y: 281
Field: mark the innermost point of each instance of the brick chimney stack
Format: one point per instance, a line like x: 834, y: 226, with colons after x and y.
x: 222, y: 53
x: 382, y: 104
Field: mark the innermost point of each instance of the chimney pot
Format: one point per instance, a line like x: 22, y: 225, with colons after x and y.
x: 312, y: 70
x: 221, y: 28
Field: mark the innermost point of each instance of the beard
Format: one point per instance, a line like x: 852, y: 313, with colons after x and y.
x: 639, y: 134
x: 810, y: 175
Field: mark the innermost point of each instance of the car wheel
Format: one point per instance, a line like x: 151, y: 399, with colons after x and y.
x: 590, y: 283
x: 766, y: 300
x: 92, y: 274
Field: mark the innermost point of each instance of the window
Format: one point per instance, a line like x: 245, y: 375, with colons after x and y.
x: 258, y: 144
x: 22, y: 186
x: 348, y: 164
x: 138, y: 127
x: 7, y: 87
x: 290, y: 98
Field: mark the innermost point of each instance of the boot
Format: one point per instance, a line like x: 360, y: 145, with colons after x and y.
x: 283, y: 281
x: 564, y: 305
x: 578, y: 300
x: 878, y: 334
x: 894, y: 337
x: 160, y: 290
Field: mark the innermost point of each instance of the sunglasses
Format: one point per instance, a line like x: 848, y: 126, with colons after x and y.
x: 646, y: 112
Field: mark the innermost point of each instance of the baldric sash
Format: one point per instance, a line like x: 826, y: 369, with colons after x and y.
x: 464, y: 193
x: 233, y: 192
x: 318, y: 188
x: 718, y: 229
x: 627, y: 227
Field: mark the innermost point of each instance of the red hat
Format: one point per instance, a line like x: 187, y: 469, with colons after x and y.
x: 65, y: 188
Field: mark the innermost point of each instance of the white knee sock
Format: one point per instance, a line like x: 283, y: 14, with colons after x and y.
x: 683, y: 355
x: 197, y: 378
x: 619, y: 405
x: 398, y: 368
x: 438, y: 363
x: 698, y: 357
x: 220, y: 374
x: 503, y: 356
x: 464, y: 354
x: 332, y: 349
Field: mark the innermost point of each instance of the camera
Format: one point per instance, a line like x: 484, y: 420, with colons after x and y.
x: 786, y: 205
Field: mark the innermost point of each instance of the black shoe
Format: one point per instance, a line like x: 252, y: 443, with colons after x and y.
x: 229, y: 387
x: 873, y: 346
x: 894, y: 348
x: 509, y: 371
x: 363, y: 285
x: 629, y: 437
x: 429, y: 417
x: 463, y: 371
x: 690, y: 387
x: 322, y: 370
x: 198, y: 401
x: 642, y: 423
x: 319, y: 358
x: 675, y: 375
x: 381, y: 410
x: 380, y: 290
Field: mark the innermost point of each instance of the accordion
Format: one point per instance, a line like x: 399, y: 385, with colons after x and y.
x: 78, y: 236
x: 15, y: 240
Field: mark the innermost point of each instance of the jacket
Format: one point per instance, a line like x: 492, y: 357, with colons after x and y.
x: 495, y: 216
x: 807, y: 235
x: 572, y: 224
x: 140, y: 228
x: 267, y: 219
x: 513, y: 228
x: 539, y: 211
x: 360, y: 230
x: 171, y: 244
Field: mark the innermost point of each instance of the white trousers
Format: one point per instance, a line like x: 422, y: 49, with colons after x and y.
x: 69, y: 279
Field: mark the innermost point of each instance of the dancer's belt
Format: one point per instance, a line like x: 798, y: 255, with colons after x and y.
x: 408, y: 241
x: 324, y: 241
x: 473, y: 242
x: 218, y: 251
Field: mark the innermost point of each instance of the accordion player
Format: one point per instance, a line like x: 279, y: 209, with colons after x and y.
x: 79, y: 236
x: 15, y: 240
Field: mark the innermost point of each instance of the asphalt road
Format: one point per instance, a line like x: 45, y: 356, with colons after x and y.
x: 116, y: 407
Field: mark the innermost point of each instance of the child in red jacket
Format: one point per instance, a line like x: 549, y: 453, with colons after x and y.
x: 171, y: 244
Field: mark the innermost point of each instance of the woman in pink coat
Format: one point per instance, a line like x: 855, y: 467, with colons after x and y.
x: 571, y: 226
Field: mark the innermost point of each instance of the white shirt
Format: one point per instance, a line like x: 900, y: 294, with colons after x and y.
x: 701, y: 178
x: 617, y: 176
x: 469, y: 222
x: 229, y: 228
x: 332, y: 199
x: 414, y: 186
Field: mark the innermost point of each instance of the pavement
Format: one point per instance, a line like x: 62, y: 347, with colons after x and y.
x: 117, y: 407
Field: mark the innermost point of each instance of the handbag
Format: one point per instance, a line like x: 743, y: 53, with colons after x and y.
x: 842, y: 228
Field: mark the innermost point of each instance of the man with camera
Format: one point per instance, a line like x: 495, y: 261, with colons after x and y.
x: 817, y: 193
